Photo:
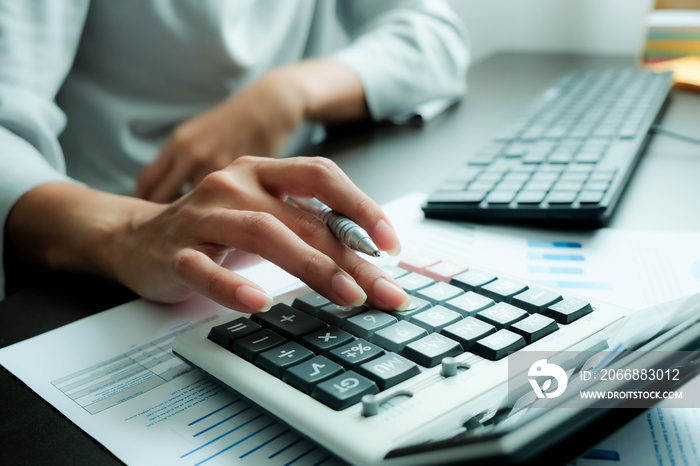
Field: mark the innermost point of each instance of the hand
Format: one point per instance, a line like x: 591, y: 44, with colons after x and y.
x: 169, y: 251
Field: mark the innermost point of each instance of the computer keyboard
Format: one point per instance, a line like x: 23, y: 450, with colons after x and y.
x: 568, y: 157
x: 363, y: 382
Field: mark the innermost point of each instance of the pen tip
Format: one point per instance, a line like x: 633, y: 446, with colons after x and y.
x: 376, y: 253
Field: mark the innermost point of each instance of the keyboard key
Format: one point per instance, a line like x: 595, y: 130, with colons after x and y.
x: 501, y: 315
x: 287, y: 321
x: 418, y: 262
x: 568, y: 310
x: 498, y: 345
x: 277, y: 360
x: 310, y: 303
x: 364, y: 325
x: 468, y: 331
x: 389, y: 370
x: 463, y: 197
x: 439, y: 292
x: 500, y: 197
x: 502, y: 289
x: 444, y: 271
x: 344, y: 390
x: 562, y: 197
x: 251, y: 346
x: 429, y: 351
x: 534, y: 327
x: 472, y: 280
x: 225, y: 334
x: 394, y: 272
x: 417, y: 305
x: 413, y: 282
x: 323, y: 340
x: 469, y: 303
x: 306, y: 375
x: 336, y: 315
x: 588, y: 196
x: 395, y: 337
x: 355, y: 353
x: 435, y: 318
x: 535, y: 299
x: 530, y: 197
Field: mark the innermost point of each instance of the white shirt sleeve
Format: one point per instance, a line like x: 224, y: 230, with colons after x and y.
x: 406, y: 53
x: 37, y: 46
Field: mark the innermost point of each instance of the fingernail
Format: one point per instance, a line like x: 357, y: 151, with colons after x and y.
x: 254, y: 298
x: 392, y: 295
x: 348, y: 290
x: 386, y: 238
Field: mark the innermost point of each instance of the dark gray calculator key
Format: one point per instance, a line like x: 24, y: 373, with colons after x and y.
x: 323, y: 340
x: 394, y: 271
x: 225, y: 334
x: 344, y: 390
x: 469, y: 303
x: 429, y: 351
x: 413, y: 282
x: 534, y: 327
x: 251, y: 346
x: 306, y: 375
x: 336, y: 315
x: 396, y: 337
x: 436, y: 318
x: 287, y: 321
x: 389, y: 370
x: 355, y: 353
x: 364, y: 325
x: 439, y: 292
x: 310, y: 303
x: 535, y: 299
x: 472, y: 280
x: 277, y: 360
x: 568, y: 310
x: 417, y: 305
x: 502, y: 289
x: 467, y: 331
x: 502, y: 315
x: 498, y: 345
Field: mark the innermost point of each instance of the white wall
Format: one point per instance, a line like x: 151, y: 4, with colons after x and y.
x: 610, y: 27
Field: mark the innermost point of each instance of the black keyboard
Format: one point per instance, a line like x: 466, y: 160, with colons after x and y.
x: 568, y: 157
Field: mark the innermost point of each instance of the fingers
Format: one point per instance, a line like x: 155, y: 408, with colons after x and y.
x: 319, y: 177
x: 206, y: 277
x: 151, y: 175
x: 170, y: 185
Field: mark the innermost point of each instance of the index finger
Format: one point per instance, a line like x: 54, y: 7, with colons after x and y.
x: 321, y: 178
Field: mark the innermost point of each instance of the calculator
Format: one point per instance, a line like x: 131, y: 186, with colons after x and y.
x: 368, y: 384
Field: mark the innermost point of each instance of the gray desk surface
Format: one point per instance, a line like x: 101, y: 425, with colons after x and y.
x: 386, y: 162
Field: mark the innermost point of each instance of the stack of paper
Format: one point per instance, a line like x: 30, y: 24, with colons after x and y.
x: 672, y: 34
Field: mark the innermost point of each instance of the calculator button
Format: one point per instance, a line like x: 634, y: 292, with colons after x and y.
x: 439, y: 292
x: 534, y: 327
x: 429, y: 351
x: 418, y: 262
x: 535, y: 299
x: 344, y: 390
x: 468, y: 331
x: 502, y: 289
x: 336, y: 315
x: 310, y: 303
x: 502, y: 315
x: 469, y: 303
x: 413, y: 282
x: 364, y: 325
x: 389, y: 370
x: 417, y: 305
x: 251, y: 346
x: 324, y: 340
x: 498, y: 345
x: 444, y: 271
x: 436, y: 318
x: 225, y: 334
x: 306, y: 375
x: 472, y: 280
x: 355, y: 353
x: 394, y: 272
x: 568, y: 310
x: 395, y: 337
x: 277, y: 360
x: 287, y: 321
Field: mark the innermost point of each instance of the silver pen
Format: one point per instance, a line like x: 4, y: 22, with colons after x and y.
x: 342, y: 227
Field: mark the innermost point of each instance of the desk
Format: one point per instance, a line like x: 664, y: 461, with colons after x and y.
x: 662, y: 196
